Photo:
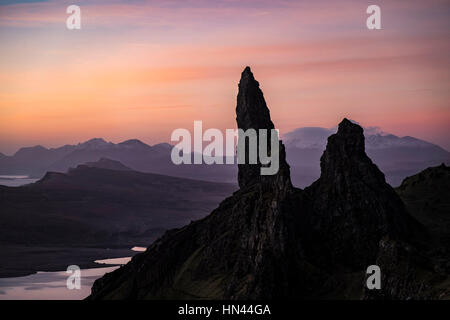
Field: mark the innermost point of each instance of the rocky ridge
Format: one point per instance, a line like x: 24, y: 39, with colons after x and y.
x: 270, y: 240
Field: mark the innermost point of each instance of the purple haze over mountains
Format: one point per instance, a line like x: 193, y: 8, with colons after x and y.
x: 397, y: 157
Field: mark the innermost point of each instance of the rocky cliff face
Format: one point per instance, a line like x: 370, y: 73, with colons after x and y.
x: 270, y: 240
x: 427, y: 198
x: 353, y: 206
x: 252, y: 113
x: 239, y: 251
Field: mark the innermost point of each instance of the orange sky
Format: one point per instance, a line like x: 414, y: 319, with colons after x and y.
x: 141, y: 69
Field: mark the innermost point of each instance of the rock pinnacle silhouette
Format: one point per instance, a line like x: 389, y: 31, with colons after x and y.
x: 270, y: 240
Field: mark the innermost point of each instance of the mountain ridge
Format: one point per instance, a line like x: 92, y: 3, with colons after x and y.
x: 397, y: 157
x: 270, y: 240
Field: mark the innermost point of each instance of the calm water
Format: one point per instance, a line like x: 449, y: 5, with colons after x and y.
x: 52, y: 285
x: 49, y: 285
x: 120, y: 260
x: 15, y: 181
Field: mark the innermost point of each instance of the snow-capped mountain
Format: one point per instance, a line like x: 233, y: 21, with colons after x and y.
x: 397, y: 157
x: 316, y: 137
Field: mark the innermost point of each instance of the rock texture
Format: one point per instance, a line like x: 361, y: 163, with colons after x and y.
x: 427, y: 198
x: 239, y: 251
x: 353, y: 206
x: 252, y: 113
x: 270, y: 240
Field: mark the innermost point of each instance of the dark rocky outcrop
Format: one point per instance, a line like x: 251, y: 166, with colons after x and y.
x: 252, y: 113
x: 239, y: 251
x: 270, y: 240
x: 353, y: 206
x: 427, y: 198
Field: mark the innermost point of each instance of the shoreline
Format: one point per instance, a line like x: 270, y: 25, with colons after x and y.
x: 20, y: 261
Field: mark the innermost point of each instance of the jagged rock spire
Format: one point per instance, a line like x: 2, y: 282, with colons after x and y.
x: 346, y: 149
x: 251, y: 110
x: 252, y: 113
x: 272, y: 241
x: 353, y: 206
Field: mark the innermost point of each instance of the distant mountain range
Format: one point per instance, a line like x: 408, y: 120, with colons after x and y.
x: 397, y: 157
x: 36, y: 161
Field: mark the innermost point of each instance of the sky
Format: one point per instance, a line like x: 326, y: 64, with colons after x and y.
x: 141, y: 69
